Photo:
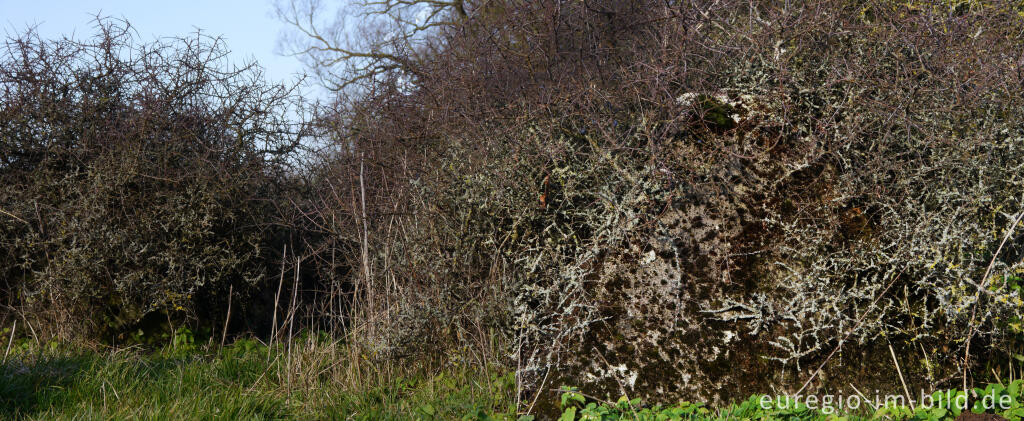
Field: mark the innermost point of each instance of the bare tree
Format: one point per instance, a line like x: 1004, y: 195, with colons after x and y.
x: 364, y: 40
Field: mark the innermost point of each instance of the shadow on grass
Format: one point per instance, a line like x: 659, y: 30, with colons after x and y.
x: 235, y: 383
x: 153, y: 386
x: 28, y: 384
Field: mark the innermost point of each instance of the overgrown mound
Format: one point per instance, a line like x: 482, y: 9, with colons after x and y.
x: 704, y: 200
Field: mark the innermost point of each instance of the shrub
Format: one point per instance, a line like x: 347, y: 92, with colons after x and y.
x: 138, y: 179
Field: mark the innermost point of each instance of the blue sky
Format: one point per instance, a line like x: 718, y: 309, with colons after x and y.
x: 249, y: 26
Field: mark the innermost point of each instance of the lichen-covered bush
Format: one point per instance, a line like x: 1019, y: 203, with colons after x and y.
x: 696, y: 199
x: 136, y: 179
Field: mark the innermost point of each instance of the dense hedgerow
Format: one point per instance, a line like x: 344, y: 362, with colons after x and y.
x: 137, y: 179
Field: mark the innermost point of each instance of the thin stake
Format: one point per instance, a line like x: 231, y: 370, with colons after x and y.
x: 277, y: 297
x: 10, y: 341
x: 910, y: 399
x: 291, y: 321
x: 224, y: 333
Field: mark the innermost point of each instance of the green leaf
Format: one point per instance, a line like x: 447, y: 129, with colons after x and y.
x: 978, y: 408
x: 428, y: 409
x: 1014, y: 388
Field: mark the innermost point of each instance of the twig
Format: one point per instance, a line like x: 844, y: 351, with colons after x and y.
x: 291, y: 322
x: 866, y: 400
x: 906, y: 390
x: 264, y: 373
x: 529, y: 410
x: 224, y: 333
x: 277, y: 298
x: 14, y: 216
x: 112, y: 389
x: 31, y: 329
x: 10, y: 341
x: 365, y: 246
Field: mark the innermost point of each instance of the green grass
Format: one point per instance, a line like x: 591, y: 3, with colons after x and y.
x: 320, y: 379
x: 243, y: 381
